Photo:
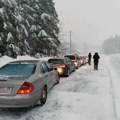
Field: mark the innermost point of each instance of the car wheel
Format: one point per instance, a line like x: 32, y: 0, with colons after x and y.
x: 58, y: 80
x: 77, y: 67
x: 43, y: 97
x: 68, y: 73
x: 74, y: 69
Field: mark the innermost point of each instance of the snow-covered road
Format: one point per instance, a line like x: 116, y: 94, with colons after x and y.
x: 85, y: 95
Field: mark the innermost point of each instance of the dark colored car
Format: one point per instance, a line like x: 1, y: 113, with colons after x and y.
x: 26, y: 83
x: 64, y: 66
x: 75, y: 59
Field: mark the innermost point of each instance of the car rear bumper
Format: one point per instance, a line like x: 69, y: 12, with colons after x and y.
x: 18, y: 101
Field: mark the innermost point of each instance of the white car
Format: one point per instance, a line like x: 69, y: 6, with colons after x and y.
x: 26, y: 83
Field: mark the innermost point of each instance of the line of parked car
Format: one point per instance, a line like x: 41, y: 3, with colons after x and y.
x: 68, y: 63
x: 25, y: 83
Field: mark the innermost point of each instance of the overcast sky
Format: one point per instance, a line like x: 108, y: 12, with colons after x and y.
x: 89, y: 20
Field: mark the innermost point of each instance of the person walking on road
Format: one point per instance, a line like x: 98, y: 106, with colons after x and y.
x: 96, y: 58
x: 89, y: 58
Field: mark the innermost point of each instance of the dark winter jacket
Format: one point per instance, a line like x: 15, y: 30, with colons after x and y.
x: 89, y: 55
x: 96, y: 58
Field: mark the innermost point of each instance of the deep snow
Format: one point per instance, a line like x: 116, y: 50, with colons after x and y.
x: 85, y: 95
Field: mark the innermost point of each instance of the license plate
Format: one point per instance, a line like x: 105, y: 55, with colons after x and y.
x: 4, y: 90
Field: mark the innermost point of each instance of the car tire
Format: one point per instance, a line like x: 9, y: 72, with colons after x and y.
x: 58, y: 80
x: 43, y: 96
x: 74, y: 69
x: 68, y: 73
x: 77, y: 67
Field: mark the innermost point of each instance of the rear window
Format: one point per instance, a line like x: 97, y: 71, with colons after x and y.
x: 18, y: 69
x: 71, y: 57
x: 56, y: 61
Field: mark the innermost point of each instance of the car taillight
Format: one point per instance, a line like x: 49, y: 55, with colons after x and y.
x: 81, y: 61
x: 75, y: 63
x: 62, y: 66
x: 60, y: 70
x: 26, y: 88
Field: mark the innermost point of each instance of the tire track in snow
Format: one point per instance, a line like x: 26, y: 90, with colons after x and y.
x: 112, y: 93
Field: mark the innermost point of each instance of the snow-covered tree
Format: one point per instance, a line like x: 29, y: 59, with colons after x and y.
x: 28, y: 27
x: 111, y: 45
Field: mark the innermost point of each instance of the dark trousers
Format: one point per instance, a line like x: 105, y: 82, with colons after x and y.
x: 89, y: 61
x: 95, y: 66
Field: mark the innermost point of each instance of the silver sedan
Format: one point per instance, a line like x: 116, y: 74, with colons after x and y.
x: 26, y: 83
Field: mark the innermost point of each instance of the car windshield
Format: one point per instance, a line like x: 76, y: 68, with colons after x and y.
x: 17, y: 69
x: 71, y: 57
x: 56, y: 61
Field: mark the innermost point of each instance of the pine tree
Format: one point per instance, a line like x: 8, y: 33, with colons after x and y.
x: 28, y: 27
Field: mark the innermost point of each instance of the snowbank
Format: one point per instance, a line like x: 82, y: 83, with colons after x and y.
x: 113, y: 64
x: 115, y: 61
x: 4, y: 60
x: 26, y: 57
x: 45, y: 58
